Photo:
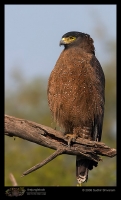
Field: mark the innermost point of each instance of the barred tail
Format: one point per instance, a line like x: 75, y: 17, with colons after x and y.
x: 82, y: 169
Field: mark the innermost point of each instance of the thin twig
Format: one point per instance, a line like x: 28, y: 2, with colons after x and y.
x: 13, y: 180
x: 39, y: 165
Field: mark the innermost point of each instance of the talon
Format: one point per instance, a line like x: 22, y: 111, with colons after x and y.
x: 79, y: 184
x: 69, y: 142
x: 71, y: 137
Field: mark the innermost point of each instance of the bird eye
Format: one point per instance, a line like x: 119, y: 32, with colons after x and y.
x: 72, y: 38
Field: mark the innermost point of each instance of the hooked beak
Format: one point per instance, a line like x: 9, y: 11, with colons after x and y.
x: 62, y: 42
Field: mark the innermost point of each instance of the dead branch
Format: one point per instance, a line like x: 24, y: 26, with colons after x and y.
x: 48, y: 137
x: 13, y: 180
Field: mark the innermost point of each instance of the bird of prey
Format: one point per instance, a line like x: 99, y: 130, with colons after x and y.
x: 76, y: 94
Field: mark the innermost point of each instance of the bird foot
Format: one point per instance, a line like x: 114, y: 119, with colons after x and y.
x: 71, y: 138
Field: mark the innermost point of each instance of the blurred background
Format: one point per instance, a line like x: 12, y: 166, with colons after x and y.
x: 32, y: 35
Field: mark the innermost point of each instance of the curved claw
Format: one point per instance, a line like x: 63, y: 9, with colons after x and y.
x: 72, y: 138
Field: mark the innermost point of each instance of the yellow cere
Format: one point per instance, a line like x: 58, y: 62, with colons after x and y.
x: 69, y: 39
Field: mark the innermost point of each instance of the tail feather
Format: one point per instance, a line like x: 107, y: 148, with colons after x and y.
x: 82, y: 168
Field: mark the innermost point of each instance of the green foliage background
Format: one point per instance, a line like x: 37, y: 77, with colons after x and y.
x: 28, y: 99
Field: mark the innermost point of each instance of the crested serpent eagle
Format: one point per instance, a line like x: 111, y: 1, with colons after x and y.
x: 76, y: 98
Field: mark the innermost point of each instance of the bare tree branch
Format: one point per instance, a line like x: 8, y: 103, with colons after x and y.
x: 48, y: 137
x: 13, y: 180
x: 44, y: 162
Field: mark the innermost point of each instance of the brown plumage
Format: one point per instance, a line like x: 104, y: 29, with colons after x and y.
x: 76, y: 94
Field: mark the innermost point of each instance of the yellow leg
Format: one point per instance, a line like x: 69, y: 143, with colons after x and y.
x: 71, y: 137
x: 79, y: 184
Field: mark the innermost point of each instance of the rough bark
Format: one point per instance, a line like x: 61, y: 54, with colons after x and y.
x: 50, y: 138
